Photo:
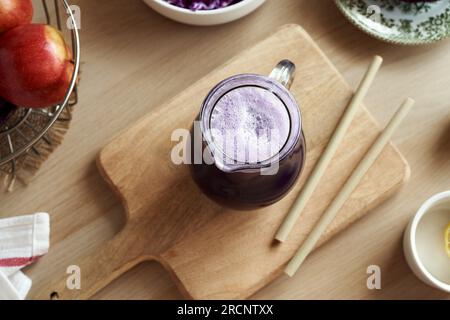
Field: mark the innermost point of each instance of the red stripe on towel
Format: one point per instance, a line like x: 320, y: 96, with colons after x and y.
x: 17, y: 262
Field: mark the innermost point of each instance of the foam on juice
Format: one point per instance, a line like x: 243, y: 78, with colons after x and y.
x: 250, y: 124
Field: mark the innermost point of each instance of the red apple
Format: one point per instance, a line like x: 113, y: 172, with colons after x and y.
x: 14, y: 13
x: 36, y: 66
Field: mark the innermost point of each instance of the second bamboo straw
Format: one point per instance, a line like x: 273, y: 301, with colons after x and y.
x: 349, y: 186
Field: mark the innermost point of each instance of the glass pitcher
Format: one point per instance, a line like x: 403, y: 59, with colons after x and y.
x: 262, y: 161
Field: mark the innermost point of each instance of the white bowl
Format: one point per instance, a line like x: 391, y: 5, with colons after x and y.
x: 410, y: 247
x: 205, y: 17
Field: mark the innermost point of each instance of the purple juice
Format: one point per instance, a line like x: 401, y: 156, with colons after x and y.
x: 250, y: 124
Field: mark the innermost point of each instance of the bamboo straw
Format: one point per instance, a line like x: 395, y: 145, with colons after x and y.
x: 329, y: 152
x: 349, y: 186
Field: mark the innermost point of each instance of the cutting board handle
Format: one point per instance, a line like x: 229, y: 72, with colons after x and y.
x: 96, y: 271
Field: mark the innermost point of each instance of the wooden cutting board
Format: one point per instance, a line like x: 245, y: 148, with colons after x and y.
x: 212, y: 252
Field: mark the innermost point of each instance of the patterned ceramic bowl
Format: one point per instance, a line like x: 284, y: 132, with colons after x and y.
x: 400, y: 22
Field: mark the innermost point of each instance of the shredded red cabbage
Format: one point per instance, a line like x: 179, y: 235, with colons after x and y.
x: 203, y: 4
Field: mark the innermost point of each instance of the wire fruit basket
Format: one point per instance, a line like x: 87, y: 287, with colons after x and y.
x: 24, y: 128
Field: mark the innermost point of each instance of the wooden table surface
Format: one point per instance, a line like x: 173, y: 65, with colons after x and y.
x: 134, y: 59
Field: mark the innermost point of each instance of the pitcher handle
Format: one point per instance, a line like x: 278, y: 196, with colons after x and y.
x: 284, y: 73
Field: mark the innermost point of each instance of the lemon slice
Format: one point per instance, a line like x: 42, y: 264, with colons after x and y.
x: 447, y: 240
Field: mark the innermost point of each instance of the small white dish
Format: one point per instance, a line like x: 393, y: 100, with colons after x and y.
x: 205, y: 17
x: 424, y: 242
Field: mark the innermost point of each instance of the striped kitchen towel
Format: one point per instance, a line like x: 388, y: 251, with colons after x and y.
x: 23, y: 240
